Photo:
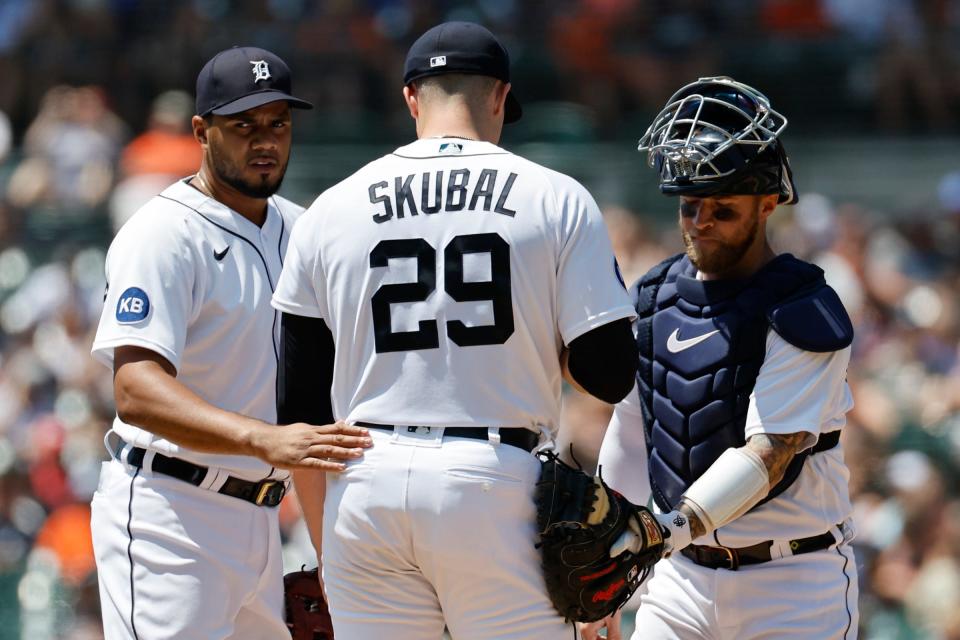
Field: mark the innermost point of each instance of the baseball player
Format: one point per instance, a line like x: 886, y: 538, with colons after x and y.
x: 438, y: 291
x: 733, y: 427
x: 184, y: 520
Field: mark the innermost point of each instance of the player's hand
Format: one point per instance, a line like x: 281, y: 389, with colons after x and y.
x: 591, y: 630
x: 302, y: 445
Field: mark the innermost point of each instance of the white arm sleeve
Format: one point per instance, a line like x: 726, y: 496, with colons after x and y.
x: 623, y: 454
x: 735, y: 482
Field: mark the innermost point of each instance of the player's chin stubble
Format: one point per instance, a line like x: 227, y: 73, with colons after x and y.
x: 228, y: 172
x: 721, y: 256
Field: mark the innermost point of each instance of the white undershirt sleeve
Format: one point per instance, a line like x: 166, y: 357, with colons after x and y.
x: 623, y: 454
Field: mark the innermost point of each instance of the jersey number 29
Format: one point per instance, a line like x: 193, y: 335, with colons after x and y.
x: 496, y: 290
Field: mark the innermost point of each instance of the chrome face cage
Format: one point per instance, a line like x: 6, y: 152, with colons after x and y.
x: 684, y: 157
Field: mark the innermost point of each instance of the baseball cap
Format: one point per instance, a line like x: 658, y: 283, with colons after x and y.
x: 244, y: 78
x: 461, y: 47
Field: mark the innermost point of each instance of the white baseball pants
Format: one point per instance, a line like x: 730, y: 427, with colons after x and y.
x: 177, y: 561
x: 426, y: 531
x: 803, y: 597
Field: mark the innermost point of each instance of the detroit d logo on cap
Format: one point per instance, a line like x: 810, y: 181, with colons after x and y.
x: 261, y: 71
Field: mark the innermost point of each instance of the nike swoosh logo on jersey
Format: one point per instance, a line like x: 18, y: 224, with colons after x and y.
x: 676, y: 345
x: 219, y: 255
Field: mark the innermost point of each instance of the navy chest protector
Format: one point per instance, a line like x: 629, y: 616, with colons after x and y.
x: 702, y: 344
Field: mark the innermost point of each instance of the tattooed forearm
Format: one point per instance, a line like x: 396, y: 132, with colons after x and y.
x: 776, y: 451
x: 696, y: 527
x: 736, y: 482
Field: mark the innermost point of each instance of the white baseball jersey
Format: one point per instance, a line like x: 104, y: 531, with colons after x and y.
x: 450, y: 273
x: 796, y: 391
x: 191, y: 280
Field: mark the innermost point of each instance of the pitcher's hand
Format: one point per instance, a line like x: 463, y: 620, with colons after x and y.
x: 310, y: 446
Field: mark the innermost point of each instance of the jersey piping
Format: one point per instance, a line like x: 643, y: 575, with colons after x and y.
x: 276, y: 314
x: 846, y: 594
x: 133, y: 624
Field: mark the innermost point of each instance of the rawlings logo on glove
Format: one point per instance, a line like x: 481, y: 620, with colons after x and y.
x: 596, y: 546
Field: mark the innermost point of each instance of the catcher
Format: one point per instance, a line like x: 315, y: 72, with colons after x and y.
x: 734, y: 426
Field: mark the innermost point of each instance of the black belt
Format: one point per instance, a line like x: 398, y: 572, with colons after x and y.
x: 826, y: 442
x: 265, y: 493
x: 514, y: 436
x: 729, y: 558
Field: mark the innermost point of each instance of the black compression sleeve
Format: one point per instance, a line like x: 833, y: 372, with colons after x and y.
x: 604, y: 361
x: 305, y: 372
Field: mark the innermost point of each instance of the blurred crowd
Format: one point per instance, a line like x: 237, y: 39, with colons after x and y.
x: 94, y: 119
x: 858, y: 64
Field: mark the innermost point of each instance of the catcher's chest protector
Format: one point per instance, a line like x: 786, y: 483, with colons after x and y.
x: 702, y: 344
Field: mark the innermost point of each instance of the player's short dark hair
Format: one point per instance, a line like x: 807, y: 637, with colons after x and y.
x: 470, y: 86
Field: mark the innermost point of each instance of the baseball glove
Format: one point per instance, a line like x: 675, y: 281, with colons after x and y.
x: 596, y: 546
x: 306, y: 609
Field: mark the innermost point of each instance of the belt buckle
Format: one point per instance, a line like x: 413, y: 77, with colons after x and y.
x: 267, y: 491
x: 732, y: 559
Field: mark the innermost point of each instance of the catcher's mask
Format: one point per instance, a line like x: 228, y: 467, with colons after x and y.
x: 717, y: 136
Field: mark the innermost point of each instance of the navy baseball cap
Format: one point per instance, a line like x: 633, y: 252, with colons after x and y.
x: 461, y: 47
x: 244, y: 78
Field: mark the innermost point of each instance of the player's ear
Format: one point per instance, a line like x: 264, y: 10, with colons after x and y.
x: 199, y: 125
x: 768, y: 205
x: 500, y: 91
x: 411, y: 98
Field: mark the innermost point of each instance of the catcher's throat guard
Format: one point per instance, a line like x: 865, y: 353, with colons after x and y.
x: 717, y: 136
x: 596, y: 546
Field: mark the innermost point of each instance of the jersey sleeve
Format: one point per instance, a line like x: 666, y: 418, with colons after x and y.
x: 299, y: 292
x: 623, y: 454
x: 151, y: 284
x: 799, y: 391
x: 590, y: 289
